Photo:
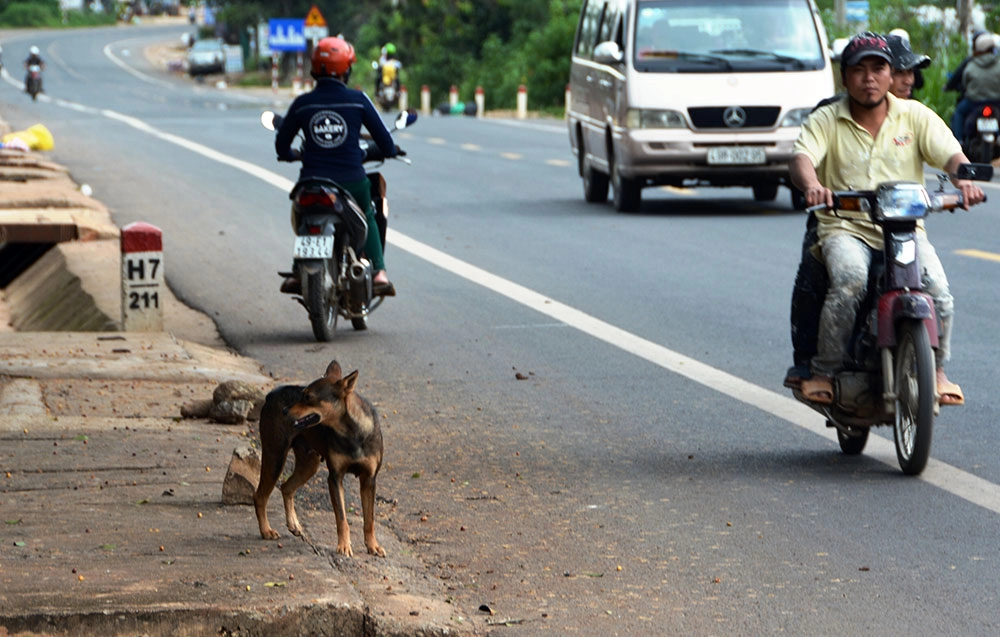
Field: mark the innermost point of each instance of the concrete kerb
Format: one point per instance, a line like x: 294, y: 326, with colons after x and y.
x: 113, y: 521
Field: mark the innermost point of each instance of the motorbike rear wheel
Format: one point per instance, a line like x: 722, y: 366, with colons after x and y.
x: 321, y: 304
x: 915, y: 398
x: 980, y: 151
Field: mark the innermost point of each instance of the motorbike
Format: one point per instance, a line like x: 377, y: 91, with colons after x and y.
x: 335, y: 278
x: 33, y: 82
x: 981, y: 141
x: 889, y: 377
x: 387, y: 91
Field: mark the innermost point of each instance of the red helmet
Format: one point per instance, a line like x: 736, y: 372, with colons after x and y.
x: 332, y: 56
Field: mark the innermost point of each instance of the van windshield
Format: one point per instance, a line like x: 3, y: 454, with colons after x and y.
x: 702, y: 36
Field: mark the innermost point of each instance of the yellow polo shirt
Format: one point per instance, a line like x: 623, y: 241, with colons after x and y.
x: 847, y: 157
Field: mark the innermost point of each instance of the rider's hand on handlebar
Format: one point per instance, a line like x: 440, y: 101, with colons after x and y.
x: 818, y: 195
x: 971, y: 193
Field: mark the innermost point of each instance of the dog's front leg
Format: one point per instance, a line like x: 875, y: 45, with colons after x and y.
x: 336, y: 482
x: 368, y: 511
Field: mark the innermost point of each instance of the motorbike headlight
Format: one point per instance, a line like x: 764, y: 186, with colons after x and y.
x: 902, y: 201
x: 643, y: 118
x: 796, y: 117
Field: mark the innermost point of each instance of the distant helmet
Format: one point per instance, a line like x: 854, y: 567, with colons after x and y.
x: 332, y: 56
x: 33, y: 50
x: 390, y: 48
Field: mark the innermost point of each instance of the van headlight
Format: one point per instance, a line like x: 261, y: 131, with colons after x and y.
x: 643, y: 118
x: 796, y: 117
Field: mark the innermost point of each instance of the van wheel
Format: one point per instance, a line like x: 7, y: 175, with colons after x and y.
x: 595, y: 185
x: 628, y: 192
x: 765, y: 192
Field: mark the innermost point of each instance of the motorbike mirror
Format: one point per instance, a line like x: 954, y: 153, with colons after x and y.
x: 406, y: 118
x: 269, y: 120
x: 976, y: 172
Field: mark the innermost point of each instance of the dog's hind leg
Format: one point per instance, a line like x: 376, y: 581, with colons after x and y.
x: 271, y: 464
x: 368, y: 511
x: 306, y: 466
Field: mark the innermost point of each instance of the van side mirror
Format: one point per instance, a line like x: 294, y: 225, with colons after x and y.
x: 608, y: 53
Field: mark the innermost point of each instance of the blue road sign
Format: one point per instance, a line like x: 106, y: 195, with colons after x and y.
x: 286, y: 34
x: 857, y: 10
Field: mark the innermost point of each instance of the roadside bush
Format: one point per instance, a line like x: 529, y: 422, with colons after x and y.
x: 31, y: 14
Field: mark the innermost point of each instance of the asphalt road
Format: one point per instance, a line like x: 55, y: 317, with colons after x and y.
x: 649, y: 475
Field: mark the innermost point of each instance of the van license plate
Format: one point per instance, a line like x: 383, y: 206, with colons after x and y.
x: 987, y: 125
x: 730, y: 155
x: 313, y: 247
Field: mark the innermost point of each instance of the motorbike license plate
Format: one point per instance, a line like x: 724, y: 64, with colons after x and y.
x: 987, y: 125
x: 313, y: 247
x: 736, y: 155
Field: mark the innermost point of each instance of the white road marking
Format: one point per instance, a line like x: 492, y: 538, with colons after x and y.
x: 940, y: 474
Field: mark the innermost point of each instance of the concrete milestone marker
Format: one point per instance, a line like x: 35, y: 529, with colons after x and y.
x: 142, y: 278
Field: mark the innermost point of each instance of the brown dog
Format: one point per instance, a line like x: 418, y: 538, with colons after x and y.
x: 328, y: 421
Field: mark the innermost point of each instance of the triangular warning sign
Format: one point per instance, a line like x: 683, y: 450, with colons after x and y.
x: 315, y: 18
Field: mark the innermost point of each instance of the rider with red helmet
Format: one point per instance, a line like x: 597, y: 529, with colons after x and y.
x: 330, y: 118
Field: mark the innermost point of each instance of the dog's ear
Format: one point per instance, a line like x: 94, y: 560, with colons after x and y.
x: 351, y: 381
x: 333, y: 371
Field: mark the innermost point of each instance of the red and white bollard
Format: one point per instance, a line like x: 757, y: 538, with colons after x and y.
x: 274, y: 72
x: 569, y: 97
x: 522, y: 102
x: 297, y: 82
x: 404, y: 98
x: 453, y: 96
x: 480, y: 101
x: 425, y: 99
x: 142, y: 278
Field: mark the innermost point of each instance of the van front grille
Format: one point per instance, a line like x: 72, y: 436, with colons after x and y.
x: 737, y: 116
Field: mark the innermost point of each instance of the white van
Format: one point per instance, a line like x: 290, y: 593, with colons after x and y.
x: 693, y: 92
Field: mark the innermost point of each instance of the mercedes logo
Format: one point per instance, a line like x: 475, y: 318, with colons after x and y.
x: 734, y: 117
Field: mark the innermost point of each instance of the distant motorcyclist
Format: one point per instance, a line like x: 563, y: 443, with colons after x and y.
x: 34, y: 59
x: 330, y: 118
x: 981, y: 78
x: 954, y: 83
x: 388, y: 67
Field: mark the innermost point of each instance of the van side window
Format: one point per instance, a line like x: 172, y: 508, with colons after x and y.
x: 609, y: 25
x: 589, y: 24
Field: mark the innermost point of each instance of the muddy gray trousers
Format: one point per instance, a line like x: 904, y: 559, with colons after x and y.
x: 847, y: 261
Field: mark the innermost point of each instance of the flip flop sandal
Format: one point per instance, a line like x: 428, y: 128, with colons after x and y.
x: 950, y: 395
x: 818, y: 389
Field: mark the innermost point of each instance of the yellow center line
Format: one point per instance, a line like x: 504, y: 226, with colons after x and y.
x: 979, y: 254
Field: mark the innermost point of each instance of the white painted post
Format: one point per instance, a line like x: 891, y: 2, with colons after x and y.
x: 404, y: 97
x: 142, y: 278
x: 453, y: 96
x: 480, y: 101
x: 425, y: 99
x: 569, y: 97
x: 522, y: 102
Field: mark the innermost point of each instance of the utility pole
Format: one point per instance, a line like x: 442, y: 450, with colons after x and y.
x: 964, y: 10
x: 840, y: 11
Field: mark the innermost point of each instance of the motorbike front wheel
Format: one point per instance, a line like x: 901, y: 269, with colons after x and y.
x: 854, y: 443
x: 914, y: 397
x: 321, y: 304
